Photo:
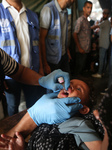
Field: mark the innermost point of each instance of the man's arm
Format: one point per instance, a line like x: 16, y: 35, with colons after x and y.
x: 43, y: 34
x: 16, y: 71
x: 94, y: 27
x: 41, y: 70
x: 26, y: 76
x: 77, y: 43
x: 45, y: 21
x: 69, y: 55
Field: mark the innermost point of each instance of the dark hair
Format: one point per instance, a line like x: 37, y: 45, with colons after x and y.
x: 87, y: 3
x: 91, y: 103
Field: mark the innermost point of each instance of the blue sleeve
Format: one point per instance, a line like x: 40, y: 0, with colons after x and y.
x: 83, y: 130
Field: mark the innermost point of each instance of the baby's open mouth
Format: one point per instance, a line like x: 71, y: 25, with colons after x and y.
x: 65, y: 93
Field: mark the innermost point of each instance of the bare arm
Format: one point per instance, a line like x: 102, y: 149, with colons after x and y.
x: 69, y: 55
x: 25, y: 126
x: 105, y: 142
x: 99, y: 145
x: 94, y: 27
x: 26, y: 75
x: 77, y: 42
x: 43, y: 34
x: 14, y: 138
x: 94, y: 145
x: 41, y: 70
x: 17, y: 71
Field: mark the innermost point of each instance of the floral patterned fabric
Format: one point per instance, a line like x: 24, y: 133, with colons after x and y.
x: 48, y: 137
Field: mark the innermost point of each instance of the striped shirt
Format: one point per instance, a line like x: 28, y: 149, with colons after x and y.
x: 9, y: 65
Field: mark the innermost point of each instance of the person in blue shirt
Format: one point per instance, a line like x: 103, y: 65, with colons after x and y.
x: 19, y: 38
x: 54, y: 34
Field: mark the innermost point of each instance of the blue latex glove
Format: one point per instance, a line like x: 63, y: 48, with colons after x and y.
x: 51, y: 80
x: 51, y: 110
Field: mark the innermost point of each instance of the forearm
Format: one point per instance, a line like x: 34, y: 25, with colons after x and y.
x: 43, y: 50
x: 26, y: 76
x: 92, y: 145
x: 43, y: 34
x: 76, y: 40
x: 69, y: 55
x: 94, y: 27
x: 105, y: 142
x: 25, y: 126
x: 41, y: 70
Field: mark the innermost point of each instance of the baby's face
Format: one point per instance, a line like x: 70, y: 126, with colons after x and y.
x: 77, y: 88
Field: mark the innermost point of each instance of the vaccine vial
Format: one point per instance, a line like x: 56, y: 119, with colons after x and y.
x: 61, y: 81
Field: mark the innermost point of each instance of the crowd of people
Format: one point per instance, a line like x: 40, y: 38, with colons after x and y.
x: 92, y: 45
x: 33, y: 55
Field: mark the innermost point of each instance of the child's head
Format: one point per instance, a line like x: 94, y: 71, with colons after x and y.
x: 79, y: 89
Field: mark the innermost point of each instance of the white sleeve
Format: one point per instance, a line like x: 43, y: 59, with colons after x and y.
x: 45, y: 18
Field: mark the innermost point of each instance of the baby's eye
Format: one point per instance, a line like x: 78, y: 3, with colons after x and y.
x: 79, y: 89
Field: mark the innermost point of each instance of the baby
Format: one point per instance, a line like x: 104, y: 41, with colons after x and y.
x: 77, y: 88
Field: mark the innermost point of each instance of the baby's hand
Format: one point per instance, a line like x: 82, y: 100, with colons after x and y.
x: 12, y: 143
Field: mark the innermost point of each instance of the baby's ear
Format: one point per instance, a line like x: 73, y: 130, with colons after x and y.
x: 84, y: 110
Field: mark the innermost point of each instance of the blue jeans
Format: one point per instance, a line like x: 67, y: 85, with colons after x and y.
x: 102, y: 59
x: 31, y: 93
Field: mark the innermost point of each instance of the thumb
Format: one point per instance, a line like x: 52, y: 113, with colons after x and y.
x: 71, y: 100
x: 57, y: 87
x: 18, y: 135
x: 52, y: 95
x: 74, y: 108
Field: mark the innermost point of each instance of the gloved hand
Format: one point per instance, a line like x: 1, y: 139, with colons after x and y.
x: 51, y: 80
x: 52, y: 110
